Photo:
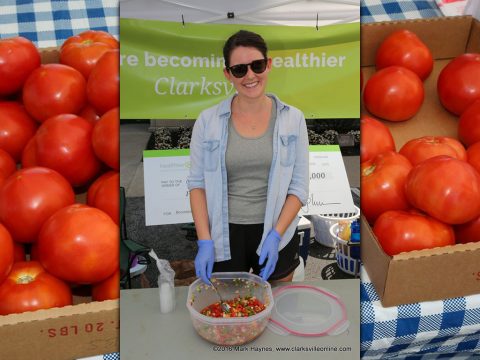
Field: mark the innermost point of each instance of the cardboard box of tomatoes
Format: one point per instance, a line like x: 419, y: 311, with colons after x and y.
x: 83, y: 329
x: 442, y: 272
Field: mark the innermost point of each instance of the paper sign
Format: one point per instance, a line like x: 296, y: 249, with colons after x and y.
x: 329, y: 190
x: 167, y: 199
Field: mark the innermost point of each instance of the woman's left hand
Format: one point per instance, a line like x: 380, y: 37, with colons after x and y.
x: 270, y: 251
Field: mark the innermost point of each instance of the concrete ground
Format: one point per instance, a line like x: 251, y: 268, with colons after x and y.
x: 134, y: 137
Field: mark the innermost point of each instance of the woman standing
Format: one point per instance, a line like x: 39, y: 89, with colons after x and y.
x: 249, y: 172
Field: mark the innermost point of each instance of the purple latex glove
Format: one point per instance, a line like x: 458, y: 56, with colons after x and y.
x: 204, y: 260
x: 270, y: 251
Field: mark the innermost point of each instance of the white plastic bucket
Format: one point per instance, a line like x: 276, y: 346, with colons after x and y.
x: 344, y: 254
x: 323, y: 223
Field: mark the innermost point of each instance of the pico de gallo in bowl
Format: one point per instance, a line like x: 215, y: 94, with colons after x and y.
x: 250, y: 306
x: 238, y: 307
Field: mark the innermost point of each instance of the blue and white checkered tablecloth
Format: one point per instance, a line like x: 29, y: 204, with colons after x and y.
x: 50, y: 23
x: 387, y: 10
x: 112, y: 356
x: 448, y: 329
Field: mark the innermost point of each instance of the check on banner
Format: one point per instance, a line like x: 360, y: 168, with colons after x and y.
x: 167, y: 198
x: 329, y: 189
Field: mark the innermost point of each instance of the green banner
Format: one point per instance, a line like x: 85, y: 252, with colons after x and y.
x: 171, y: 71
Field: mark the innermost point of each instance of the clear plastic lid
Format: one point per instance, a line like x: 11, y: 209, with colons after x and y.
x: 305, y: 310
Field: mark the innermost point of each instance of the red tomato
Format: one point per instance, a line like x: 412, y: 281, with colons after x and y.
x: 107, y: 197
x: 375, y: 138
x: 16, y: 128
x: 6, y: 253
x: 103, y: 83
x: 105, y: 138
x: 473, y: 156
x: 7, y: 166
x: 469, y: 124
x: 402, y: 231
x: 29, y: 155
x: 18, y: 252
x: 18, y: 58
x: 89, y: 113
x: 63, y: 143
x: 79, y: 244
x: 29, y: 197
x: 108, y: 289
x: 404, y: 48
x: 92, y: 190
x: 29, y: 287
x: 468, y: 232
x: 54, y: 89
x: 420, y: 149
x: 458, y: 84
x: 445, y: 188
x: 383, y: 184
x: 393, y: 93
x: 82, y: 51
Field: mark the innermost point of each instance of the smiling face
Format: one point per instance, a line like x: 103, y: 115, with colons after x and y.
x: 251, y: 85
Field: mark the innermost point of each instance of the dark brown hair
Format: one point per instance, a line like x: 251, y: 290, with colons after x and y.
x: 243, y: 38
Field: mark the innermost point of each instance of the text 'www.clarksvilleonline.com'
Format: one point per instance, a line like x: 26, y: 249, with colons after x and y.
x: 282, y: 349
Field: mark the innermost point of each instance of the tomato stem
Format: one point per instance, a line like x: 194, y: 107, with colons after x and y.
x: 368, y: 170
x: 25, y: 279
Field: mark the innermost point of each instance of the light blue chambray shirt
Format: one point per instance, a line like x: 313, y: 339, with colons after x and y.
x: 288, y: 172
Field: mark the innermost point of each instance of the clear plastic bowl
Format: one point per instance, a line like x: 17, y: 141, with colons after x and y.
x: 229, y: 331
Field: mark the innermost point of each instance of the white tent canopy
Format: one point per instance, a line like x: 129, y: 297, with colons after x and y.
x: 263, y: 12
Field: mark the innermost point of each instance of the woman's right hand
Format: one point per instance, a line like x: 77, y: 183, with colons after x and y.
x: 204, y: 260
x: 269, y: 251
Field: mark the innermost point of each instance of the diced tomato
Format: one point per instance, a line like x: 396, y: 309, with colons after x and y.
x: 239, y: 307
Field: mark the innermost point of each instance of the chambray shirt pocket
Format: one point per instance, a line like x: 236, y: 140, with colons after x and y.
x: 211, y: 150
x: 287, y: 149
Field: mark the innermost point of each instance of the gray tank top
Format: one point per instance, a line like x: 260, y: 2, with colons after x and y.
x: 248, y: 162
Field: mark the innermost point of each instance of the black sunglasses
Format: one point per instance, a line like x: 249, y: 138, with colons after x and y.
x: 240, y: 70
